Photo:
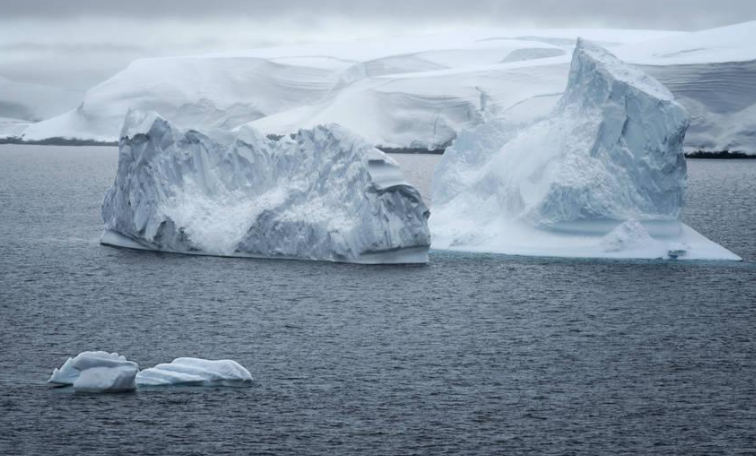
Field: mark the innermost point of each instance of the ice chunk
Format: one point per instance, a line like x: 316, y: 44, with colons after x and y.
x: 195, y: 372
x: 114, y: 379
x: 97, y: 371
x: 610, y: 152
x: 323, y: 195
x: 66, y: 375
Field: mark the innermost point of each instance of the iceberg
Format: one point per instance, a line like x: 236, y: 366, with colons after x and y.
x: 323, y: 194
x: 602, y: 176
x: 97, y: 372
x: 195, y: 372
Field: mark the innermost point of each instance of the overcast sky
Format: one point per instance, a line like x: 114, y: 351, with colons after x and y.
x: 77, y: 43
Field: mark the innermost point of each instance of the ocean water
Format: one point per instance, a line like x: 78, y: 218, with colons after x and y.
x: 472, y: 354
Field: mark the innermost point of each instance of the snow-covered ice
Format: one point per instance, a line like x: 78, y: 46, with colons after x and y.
x: 419, y: 91
x: 103, y: 372
x: 323, y: 195
x: 97, y: 372
x: 195, y: 372
x: 412, y: 91
x: 603, y: 175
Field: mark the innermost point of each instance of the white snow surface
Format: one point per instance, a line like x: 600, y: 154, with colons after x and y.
x: 603, y: 175
x: 415, y: 92
x: 97, y: 372
x: 323, y: 195
x: 195, y: 372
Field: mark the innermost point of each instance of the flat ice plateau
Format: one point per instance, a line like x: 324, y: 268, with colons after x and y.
x: 602, y: 176
x: 195, y: 372
x: 322, y: 195
x: 419, y: 91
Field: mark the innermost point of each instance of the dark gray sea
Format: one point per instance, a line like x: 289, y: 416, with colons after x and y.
x: 472, y: 354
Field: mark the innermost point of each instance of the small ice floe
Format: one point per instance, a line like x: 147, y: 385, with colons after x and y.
x: 195, y: 372
x: 97, y: 372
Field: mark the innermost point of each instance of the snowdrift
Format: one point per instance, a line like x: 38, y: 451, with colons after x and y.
x: 322, y: 195
x: 602, y: 176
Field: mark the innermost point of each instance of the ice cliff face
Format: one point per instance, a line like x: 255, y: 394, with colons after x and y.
x: 610, y: 152
x: 97, y: 372
x: 323, y: 195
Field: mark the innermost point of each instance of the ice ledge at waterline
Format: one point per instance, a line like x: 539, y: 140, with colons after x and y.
x: 323, y: 195
x: 603, y: 176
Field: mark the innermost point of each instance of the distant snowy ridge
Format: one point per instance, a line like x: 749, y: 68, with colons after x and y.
x: 408, y: 92
x: 97, y: 372
x: 420, y: 92
x: 603, y: 175
x: 195, y: 372
x: 22, y: 104
x: 323, y: 195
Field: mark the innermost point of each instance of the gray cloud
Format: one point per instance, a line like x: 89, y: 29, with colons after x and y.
x: 669, y: 14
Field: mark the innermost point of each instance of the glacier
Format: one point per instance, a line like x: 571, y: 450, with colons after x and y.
x: 406, y: 92
x: 97, y: 372
x: 417, y: 92
x: 323, y: 194
x: 602, y: 176
x: 195, y: 372
x: 23, y: 104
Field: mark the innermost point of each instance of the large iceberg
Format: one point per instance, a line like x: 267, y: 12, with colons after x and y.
x: 97, y: 372
x: 602, y: 176
x: 323, y: 194
x: 195, y: 372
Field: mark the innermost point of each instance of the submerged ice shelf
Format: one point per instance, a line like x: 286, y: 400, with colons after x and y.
x: 602, y: 176
x: 323, y: 195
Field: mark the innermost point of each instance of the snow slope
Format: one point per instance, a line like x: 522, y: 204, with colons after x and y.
x: 22, y: 104
x: 603, y: 175
x: 397, y: 92
x: 323, y: 195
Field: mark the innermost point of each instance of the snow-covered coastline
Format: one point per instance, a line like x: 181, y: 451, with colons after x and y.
x: 418, y: 92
